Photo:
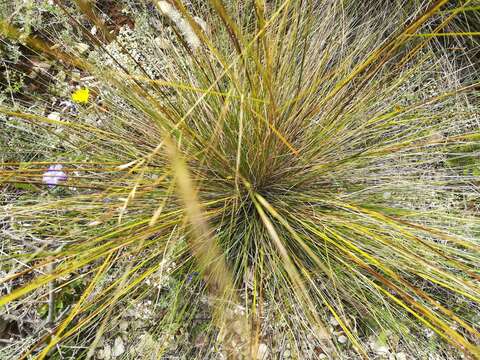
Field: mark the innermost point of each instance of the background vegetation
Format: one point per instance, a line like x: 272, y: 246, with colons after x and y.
x: 239, y: 179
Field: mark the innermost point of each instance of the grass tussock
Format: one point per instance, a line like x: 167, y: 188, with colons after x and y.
x: 272, y: 175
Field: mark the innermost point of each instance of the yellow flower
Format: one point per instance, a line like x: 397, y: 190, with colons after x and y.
x: 80, y: 96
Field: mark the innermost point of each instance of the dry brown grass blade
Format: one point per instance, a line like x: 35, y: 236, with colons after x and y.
x: 210, y: 258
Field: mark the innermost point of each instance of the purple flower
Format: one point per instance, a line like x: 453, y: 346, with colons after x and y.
x: 191, y: 276
x: 53, y: 175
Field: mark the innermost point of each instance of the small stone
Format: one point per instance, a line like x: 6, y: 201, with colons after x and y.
x: 287, y: 354
x: 54, y: 116
x: 75, y: 75
x: 105, y: 353
x: 381, y: 349
x: 429, y: 333
x: 342, y: 339
x: 322, y: 334
x: 123, y: 325
x: 400, y: 356
x: 333, y: 321
x: 322, y: 356
x: 118, y: 347
x: 162, y: 43
x: 263, y: 352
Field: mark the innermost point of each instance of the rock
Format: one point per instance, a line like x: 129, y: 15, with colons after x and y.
x: 322, y: 334
x: 380, y: 344
x: 400, y: 356
x: 263, y: 351
x: 162, y: 43
x: 123, y: 325
x: 333, y: 321
x: 429, y: 333
x: 75, y: 75
x: 322, y: 356
x: 118, y: 347
x: 105, y: 353
x: 137, y: 324
x: 342, y: 339
x: 54, y: 116
x: 380, y: 349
